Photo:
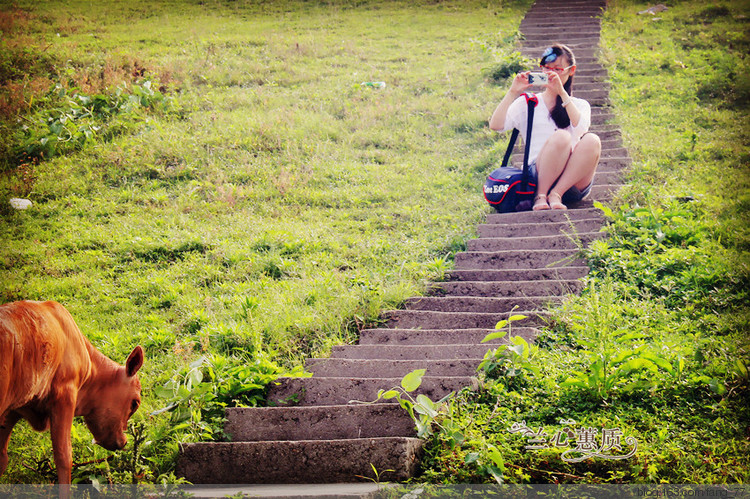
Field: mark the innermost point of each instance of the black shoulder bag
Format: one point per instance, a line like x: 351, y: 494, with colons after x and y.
x: 508, y: 189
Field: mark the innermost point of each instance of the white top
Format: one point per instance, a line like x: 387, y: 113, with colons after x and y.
x: 544, y: 126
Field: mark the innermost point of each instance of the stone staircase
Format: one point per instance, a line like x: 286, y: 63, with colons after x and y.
x: 525, y: 261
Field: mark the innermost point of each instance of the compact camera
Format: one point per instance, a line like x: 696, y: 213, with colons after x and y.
x: 538, y: 79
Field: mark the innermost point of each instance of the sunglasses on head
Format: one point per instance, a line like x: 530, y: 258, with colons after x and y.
x: 550, y: 54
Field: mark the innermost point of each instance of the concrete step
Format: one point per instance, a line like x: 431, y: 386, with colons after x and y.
x: 411, y: 352
x: 603, y: 112
x: 594, y: 97
x: 584, y: 64
x: 256, y: 424
x: 427, y: 319
x: 585, y: 50
x: 614, y: 152
x: 337, y: 391
x: 605, y: 177
x: 592, y: 29
x: 303, y: 461
x: 480, y: 304
x: 572, y: 240
x: 570, y: 39
x: 388, y: 368
x: 590, y: 76
x: 611, y: 143
x: 582, y: 23
x: 606, y: 132
x: 615, y: 163
x: 438, y: 336
x: 518, y: 259
x: 507, y: 289
x: 565, y: 11
x: 512, y: 275
x: 612, y: 173
x: 572, y: 6
x: 604, y: 193
x: 570, y: 216
x: 549, y: 229
x: 600, y: 118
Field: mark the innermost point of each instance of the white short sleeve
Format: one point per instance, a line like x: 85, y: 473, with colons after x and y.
x: 516, y: 116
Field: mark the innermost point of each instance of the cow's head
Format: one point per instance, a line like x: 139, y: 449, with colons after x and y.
x: 117, y: 399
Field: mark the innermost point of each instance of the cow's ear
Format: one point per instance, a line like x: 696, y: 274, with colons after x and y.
x: 135, y: 361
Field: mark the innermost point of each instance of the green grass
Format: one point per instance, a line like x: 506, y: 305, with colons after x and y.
x: 657, y: 344
x: 260, y: 206
x: 256, y: 205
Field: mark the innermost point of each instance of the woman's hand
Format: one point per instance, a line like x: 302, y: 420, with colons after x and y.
x: 520, y: 83
x: 519, y: 86
x: 555, y: 84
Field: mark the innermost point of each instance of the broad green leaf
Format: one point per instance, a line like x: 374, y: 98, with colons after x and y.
x: 659, y: 361
x: 607, y: 211
x: 457, y: 437
x: 519, y: 341
x: 164, y: 392
x: 501, y: 324
x: 496, y: 456
x: 575, y: 382
x: 389, y: 394
x: 408, y: 406
x: 741, y: 368
x: 496, y: 473
x: 423, y: 427
x: 717, y: 387
x: 195, y: 376
x: 197, y: 363
x: 516, y: 318
x: 640, y: 363
x: 635, y: 385
x: 413, y: 380
x: 425, y: 406
x: 471, y: 457
x: 517, y: 349
x: 622, y: 356
x: 630, y: 336
x: 494, y: 336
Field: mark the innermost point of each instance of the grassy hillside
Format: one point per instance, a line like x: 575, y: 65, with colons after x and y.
x: 212, y: 180
x: 656, y: 348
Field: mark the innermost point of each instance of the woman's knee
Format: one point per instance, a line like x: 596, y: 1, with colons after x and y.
x: 591, y: 143
x: 559, y: 140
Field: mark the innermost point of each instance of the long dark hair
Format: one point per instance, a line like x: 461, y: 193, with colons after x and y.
x: 559, y: 114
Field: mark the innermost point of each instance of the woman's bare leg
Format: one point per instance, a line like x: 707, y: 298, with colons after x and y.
x: 580, y: 168
x: 552, y: 160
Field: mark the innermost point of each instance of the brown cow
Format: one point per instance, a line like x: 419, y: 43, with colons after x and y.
x: 49, y: 373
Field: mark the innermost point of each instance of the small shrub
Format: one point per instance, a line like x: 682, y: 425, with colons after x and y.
x: 506, y: 65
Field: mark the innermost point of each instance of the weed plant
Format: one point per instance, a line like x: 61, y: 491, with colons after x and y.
x: 211, y: 180
x: 656, y: 347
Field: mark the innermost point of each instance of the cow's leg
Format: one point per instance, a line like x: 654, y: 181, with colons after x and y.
x: 60, y: 423
x: 6, y: 427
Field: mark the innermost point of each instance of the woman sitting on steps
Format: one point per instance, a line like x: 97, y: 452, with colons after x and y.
x: 563, y: 155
